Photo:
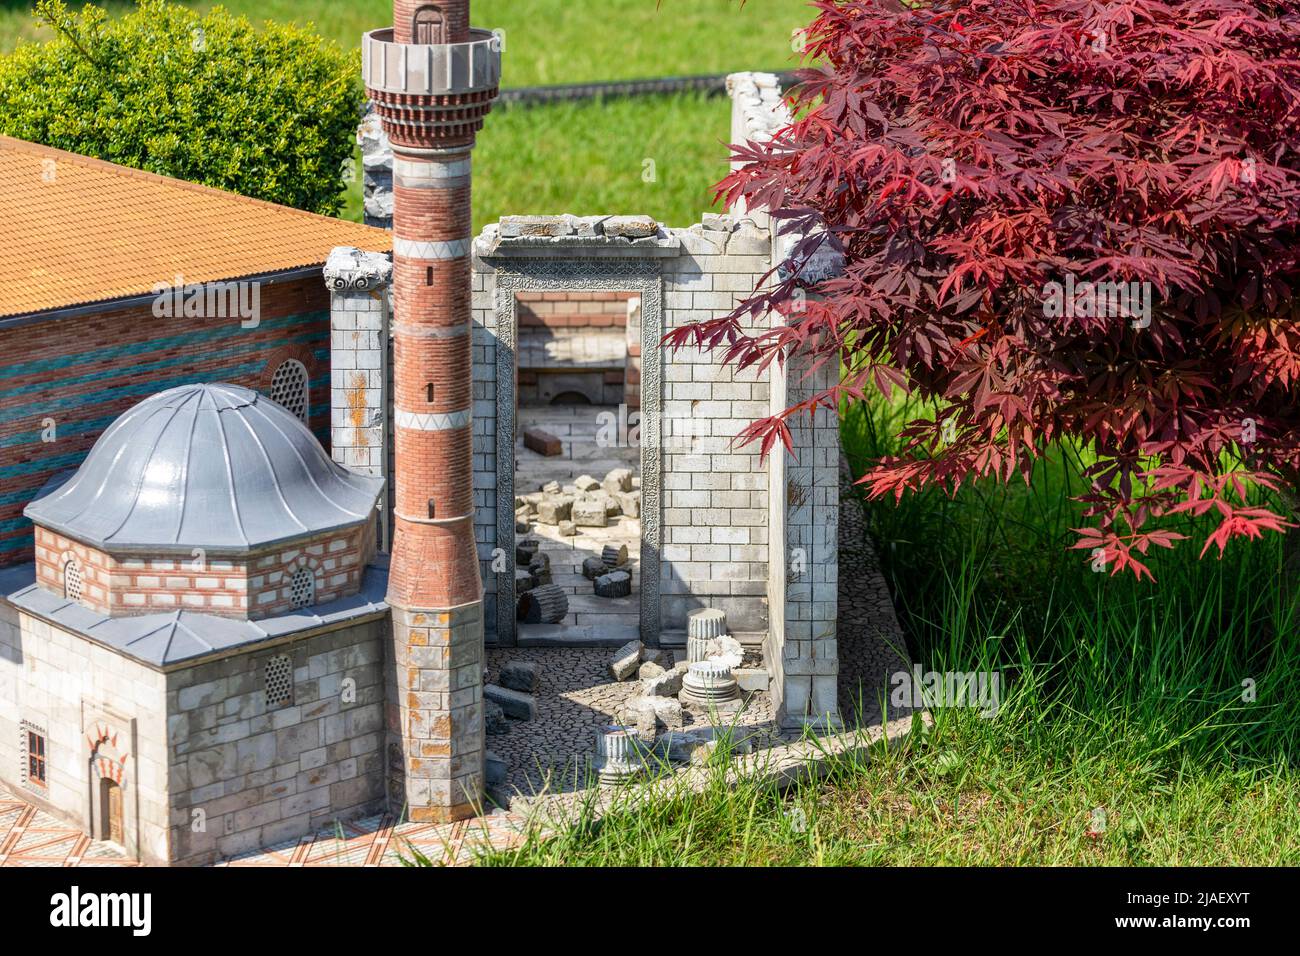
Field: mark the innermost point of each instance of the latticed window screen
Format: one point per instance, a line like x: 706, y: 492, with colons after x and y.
x: 278, y: 675
x: 72, y: 580
x: 289, y: 387
x: 302, y: 588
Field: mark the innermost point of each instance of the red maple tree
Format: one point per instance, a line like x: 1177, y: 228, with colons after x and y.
x: 983, y: 166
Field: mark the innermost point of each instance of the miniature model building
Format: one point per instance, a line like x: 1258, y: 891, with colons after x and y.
x: 220, y: 635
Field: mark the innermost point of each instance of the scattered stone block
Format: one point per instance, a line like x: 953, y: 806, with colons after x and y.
x: 625, y: 661
x: 542, y: 442
x: 629, y: 502
x: 620, y: 479
x: 540, y: 569
x: 522, y: 527
x: 616, y: 584
x: 587, y: 514
x: 515, y: 704
x: 516, y: 227
x: 551, y: 488
x: 586, y: 483
x: 546, y: 604
x: 523, y: 581
x: 554, y: 510
x: 593, y: 568
x: 647, y: 724
x: 663, y: 684
x: 524, y: 550
x: 494, y: 719
x: 667, y: 712
x: 649, y: 669
x: 568, y: 529
x: 751, y: 679
x: 612, y: 508
x: 631, y: 227
x: 614, y: 556
x: 521, y: 675
x: 494, y: 770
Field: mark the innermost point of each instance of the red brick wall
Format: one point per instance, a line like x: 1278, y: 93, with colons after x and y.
x: 573, y: 310
x: 80, y: 373
x: 253, y: 586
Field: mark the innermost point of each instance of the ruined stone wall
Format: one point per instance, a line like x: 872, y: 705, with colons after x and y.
x: 803, y: 519
x: 715, y: 541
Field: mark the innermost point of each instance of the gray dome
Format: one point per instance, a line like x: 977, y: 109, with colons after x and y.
x: 217, y: 467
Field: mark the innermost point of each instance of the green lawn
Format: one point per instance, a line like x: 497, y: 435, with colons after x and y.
x: 583, y: 158
x: 553, y: 41
x: 658, y: 156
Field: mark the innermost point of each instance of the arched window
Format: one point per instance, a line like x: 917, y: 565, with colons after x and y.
x: 302, y: 588
x: 429, y: 25
x: 289, y: 387
x: 72, y: 580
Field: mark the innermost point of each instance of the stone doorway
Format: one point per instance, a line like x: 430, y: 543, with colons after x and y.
x: 577, y: 467
x: 594, y: 439
x: 110, y: 812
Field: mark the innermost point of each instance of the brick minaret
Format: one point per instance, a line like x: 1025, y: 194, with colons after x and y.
x: 433, y: 80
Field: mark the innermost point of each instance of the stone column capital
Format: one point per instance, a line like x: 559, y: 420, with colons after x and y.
x: 348, y: 269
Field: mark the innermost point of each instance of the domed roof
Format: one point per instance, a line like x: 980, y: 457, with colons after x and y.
x: 217, y: 467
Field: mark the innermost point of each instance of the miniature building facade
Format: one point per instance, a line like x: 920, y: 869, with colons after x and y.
x: 228, y: 636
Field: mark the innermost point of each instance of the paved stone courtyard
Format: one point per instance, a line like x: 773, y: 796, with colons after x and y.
x: 578, y: 697
x: 579, y: 429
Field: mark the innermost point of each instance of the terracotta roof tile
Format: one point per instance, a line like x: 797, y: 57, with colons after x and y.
x: 82, y: 230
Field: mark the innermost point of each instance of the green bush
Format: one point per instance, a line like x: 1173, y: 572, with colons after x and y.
x: 269, y: 113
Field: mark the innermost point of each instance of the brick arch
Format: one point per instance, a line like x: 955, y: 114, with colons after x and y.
x: 284, y: 353
x: 312, y: 564
x: 107, y: 757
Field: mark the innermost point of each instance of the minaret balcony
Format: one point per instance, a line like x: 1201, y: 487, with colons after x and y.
x: 417, y: 70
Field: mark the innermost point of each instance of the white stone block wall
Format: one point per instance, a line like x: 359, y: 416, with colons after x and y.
x: 360, y: 368
x: 808, y: 658
x: 483, y: 297
x: 244, y: 775
x: 801, y: 650
x: 67, y: 687
x: 714, y: 490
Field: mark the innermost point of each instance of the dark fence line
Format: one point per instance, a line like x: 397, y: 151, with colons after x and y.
x: 713, y: 84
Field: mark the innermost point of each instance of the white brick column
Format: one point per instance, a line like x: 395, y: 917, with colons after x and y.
x: 359, y: 318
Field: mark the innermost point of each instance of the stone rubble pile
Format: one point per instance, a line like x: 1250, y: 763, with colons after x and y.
x: 587, y: 502
x: 705, y: 681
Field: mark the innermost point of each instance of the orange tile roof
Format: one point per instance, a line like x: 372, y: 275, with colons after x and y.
x: 82, y: 230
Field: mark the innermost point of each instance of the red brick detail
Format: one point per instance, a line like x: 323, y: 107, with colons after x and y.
x: 573, y: 310
x: 455, y: 13
x: 103, y: 386
x: 542, y: 442
x: 434, y: 566
x: 283, y: 354
x: 444, y: 363
x: 248, y: 587
x: 437, y: 466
